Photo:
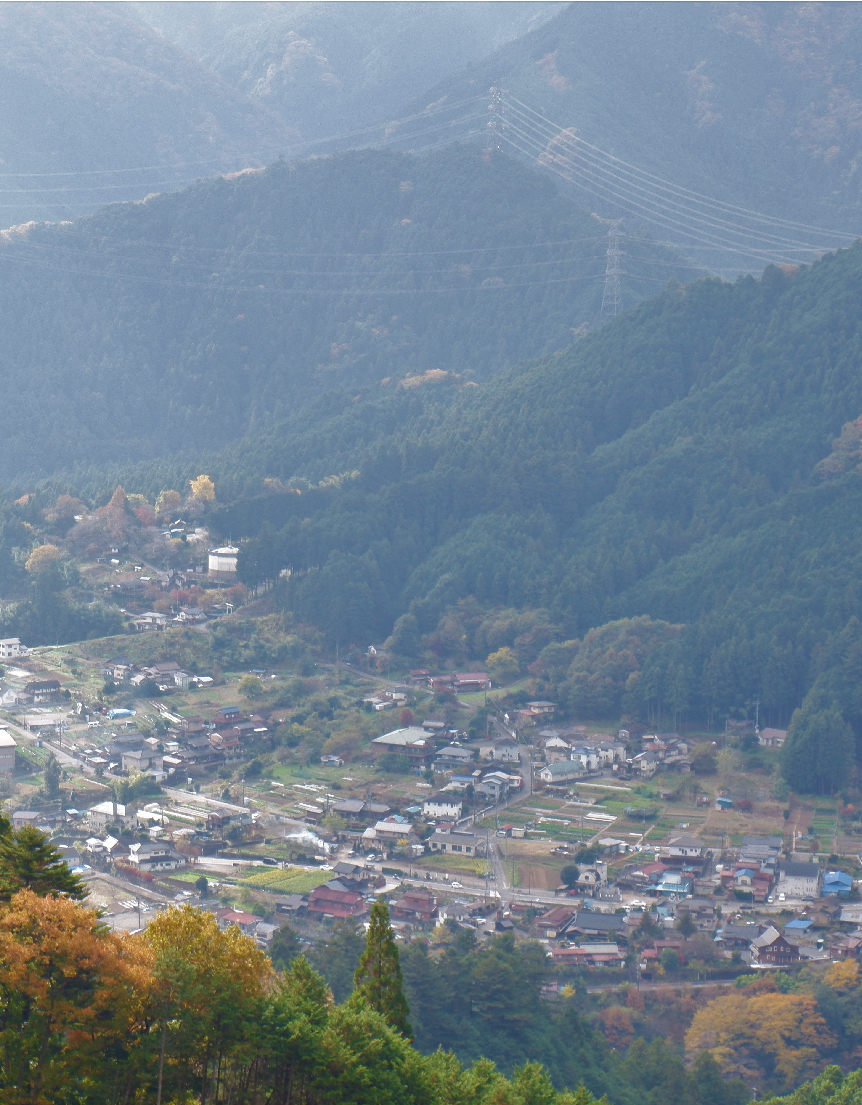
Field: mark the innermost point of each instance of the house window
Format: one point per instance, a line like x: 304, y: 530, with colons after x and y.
x: 456, y: 847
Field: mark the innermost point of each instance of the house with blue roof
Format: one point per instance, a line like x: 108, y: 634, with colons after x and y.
x: 836, y: 883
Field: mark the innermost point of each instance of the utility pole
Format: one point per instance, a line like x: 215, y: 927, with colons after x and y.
x: 494, y: 117
x: 611, y: 299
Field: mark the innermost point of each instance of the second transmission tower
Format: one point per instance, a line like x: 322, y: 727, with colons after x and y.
x: 612, y: 302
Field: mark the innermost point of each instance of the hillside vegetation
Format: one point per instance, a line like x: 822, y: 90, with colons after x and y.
x: 326, y: 67
x: 97, y: 107
x: 757, y: 104
x: 181, y: 323
x: 670, y: 465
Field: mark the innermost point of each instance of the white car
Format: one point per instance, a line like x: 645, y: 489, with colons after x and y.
x: 782, y: 897
x: 456, y: 885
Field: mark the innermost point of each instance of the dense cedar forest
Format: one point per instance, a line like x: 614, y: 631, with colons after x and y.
x: 678, y: 465
x: 180, y: 323
x: 659, y: 522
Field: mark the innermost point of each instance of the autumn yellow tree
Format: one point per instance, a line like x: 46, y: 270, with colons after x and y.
x: 71, y: 994
x: 765, y: 1035
x: 209, y: 990
x: 41, y: 558
x: 842, y: 976
x: 203, y: 489
x: 168, y: 503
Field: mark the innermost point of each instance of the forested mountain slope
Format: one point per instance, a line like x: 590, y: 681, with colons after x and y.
x: 757, y: 104
x: 97, y: 107
x: 181, y: 323
x: 328, y: 68
x: 676, y: 463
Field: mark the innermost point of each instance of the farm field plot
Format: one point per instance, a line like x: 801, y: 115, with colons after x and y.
x: 289, y: 880
x: 438, y: 862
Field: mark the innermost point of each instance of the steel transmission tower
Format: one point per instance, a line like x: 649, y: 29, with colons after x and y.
x: 494, y: 117
x: 611, y: 301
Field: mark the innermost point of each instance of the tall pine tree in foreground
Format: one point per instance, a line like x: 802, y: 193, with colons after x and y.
x: 29, y: 861
x: 378, y: 977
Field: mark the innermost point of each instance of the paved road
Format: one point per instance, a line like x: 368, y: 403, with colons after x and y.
x: 665, y: 985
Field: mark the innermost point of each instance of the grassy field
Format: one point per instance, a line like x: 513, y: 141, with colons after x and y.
x: 448, y: 862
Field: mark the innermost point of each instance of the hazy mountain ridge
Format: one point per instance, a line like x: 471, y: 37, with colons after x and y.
x: 238, y: 299
x: 756, y: 104
x: 329, y: 67
x: 86, y: 87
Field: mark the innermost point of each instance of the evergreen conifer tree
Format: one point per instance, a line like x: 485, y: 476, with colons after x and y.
x: 28, y: 861
x: 378, y: 977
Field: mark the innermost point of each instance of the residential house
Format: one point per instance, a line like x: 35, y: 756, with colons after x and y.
x: 245, y: 922
x: 684, y: 849
x: 41, y: 691
x: 155, y: 857
x: 557, y: 749
x: 650, y: 956
x: 228, y: 715
x: 735, y: 937
x: 701, y: 911
x: 771, y: 949
x: 412, y: 742
x: 150, y: 622
x: 226, y: 740
x: 142, y: 761
x: 442, y: 805
x: 502, y: 749
x: 41, y: 723
x: 797, y: 929
x: 593, y: 923
x: 416, y: 905
x: 7, y: 753
x: 589, y: 955
x: 799, y: 880
x: 111, y: 813
x: 466, y: 681
x: 554, y: 922
x: 851, y: 914
x: 772, y: 738
x: 263, y: 933
x: 848, y: 947
x: 457, y: 841
x: 391, y: 830
x: 673, y: 884
x: 323, y: 902
x: 645, y: 764
x: 540, y: 706
x: 20, y: 818
x: 836, y: 884
x: 455, y: 757
x: 10, y: 647
x: 495, y: 785
x: 825, y: 913
x: 588, y: 758
x: 561, y: 773
x: 357, y: 812
x: 762, y: 851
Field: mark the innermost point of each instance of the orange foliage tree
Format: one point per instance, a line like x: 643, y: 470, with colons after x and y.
x: 71, y: 996
x: 760, y: 1033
